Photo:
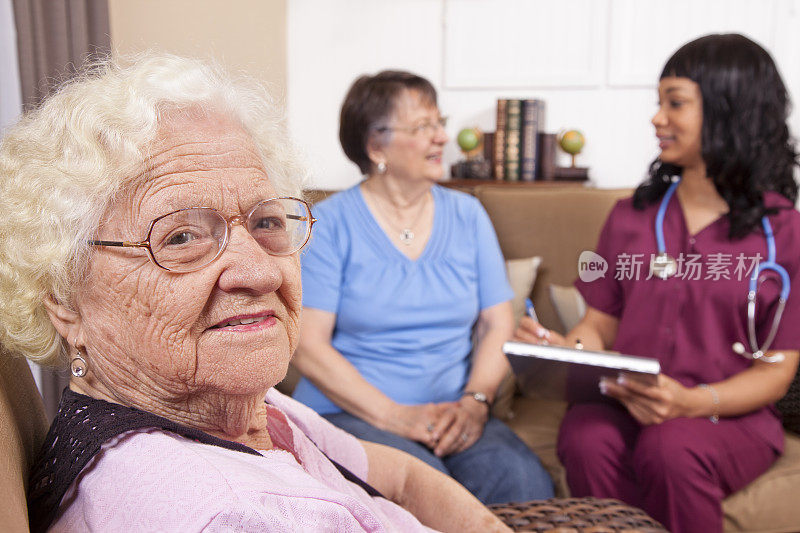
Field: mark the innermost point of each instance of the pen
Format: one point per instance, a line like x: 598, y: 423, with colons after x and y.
x: 530, y: 310
x: 543, y: 333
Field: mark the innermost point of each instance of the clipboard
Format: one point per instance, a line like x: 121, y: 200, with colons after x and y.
x: 557, y: 372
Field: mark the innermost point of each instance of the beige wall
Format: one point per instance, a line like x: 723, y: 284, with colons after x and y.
x: 244, y: 35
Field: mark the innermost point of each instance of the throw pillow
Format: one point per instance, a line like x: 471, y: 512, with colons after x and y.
x: 569, y: 305
x: 521, y: 276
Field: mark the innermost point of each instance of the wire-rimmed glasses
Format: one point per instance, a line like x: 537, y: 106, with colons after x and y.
x: 189, y: 239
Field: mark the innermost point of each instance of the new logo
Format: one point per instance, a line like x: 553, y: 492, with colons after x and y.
x: 591, y: 266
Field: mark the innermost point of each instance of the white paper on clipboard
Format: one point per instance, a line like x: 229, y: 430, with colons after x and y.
x: 557, y: 372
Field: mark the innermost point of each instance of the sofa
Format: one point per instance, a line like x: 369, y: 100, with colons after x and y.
x: 553, y: 223
x: 23, y: 426
x: 556, y: 223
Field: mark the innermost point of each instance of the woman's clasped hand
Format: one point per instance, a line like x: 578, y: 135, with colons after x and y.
x: 445, y: 428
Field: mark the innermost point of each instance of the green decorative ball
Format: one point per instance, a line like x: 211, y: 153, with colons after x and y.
x: 572, y: 141
x: 468, y: 139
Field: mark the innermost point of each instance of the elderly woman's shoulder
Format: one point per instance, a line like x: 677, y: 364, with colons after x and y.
x: 151, y: 477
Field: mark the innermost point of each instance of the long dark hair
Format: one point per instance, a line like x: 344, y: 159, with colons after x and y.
x: 745, y: 141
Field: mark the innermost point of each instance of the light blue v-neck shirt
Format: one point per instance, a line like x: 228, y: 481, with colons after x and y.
x: 404, y: 324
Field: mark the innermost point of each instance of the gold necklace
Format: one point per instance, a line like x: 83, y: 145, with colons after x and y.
x: 406, y: 235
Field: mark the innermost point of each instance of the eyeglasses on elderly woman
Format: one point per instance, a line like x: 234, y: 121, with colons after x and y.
x: 189, y: 239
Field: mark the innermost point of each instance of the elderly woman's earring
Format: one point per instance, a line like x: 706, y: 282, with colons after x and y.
x: 381, y: 168
x: 78, y: 365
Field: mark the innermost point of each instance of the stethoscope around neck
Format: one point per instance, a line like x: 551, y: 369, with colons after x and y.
x: 664, y: 266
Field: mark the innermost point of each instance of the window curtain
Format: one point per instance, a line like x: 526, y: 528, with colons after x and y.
x: 10, y: 96
x: 54, y: 40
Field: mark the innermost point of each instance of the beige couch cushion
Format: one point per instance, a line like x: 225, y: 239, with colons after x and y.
x: 770, y: 503
x: 536, y: 422
x: 568, y: 304
x: 522, y: 277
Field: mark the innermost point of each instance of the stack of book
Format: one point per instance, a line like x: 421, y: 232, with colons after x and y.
x: 517, y: 150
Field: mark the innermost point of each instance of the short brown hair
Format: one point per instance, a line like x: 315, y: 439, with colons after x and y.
x: 369, y: 102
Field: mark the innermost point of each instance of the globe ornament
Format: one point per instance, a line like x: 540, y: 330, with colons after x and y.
x: 474, y: 166
x: 572, y: 142
x: 470, y: 140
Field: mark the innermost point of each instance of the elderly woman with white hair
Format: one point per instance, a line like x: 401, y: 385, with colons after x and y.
x: 149, y: 237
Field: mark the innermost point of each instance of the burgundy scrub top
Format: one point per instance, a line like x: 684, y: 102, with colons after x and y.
x: 690, y: 321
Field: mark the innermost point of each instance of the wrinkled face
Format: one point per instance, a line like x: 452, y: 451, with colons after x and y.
x: 679, y: 121
x: 229, y: 328
x: 414, y: 152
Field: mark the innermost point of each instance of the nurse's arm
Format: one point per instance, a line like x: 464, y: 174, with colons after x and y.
x: 596, y: 331
x: 751, y: 389
x: 761, y: 384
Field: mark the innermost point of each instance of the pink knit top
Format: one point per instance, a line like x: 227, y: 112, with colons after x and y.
x: 153, y: 480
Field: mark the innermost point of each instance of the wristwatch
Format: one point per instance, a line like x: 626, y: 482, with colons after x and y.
x: 479, y: 397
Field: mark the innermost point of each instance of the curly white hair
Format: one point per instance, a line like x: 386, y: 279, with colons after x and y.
x: 64, y: 164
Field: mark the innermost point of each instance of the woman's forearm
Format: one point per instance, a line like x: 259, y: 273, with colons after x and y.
x: 760, y: 385
x: 596, y: 331
x: 489, y: 364
x: 587, y: 336
x: 435, y: 499
x: 341, y: 382
x: 441, y: 503
x: 334, y: 375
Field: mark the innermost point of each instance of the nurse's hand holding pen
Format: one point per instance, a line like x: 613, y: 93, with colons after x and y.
x: 530, y: 330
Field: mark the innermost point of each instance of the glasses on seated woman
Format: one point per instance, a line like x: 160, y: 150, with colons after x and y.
x: 190, y: 239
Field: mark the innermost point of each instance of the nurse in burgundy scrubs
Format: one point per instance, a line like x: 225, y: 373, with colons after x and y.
x: 722, y: 183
